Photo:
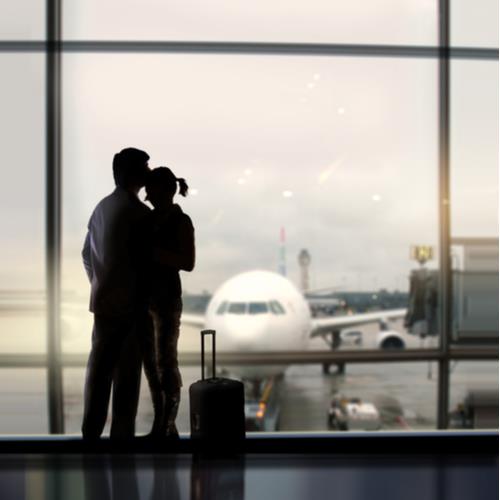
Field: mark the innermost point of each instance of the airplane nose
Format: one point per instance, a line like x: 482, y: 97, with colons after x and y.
x: 246, y: 332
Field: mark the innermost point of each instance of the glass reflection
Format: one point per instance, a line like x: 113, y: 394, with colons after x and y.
x: 290, y: 476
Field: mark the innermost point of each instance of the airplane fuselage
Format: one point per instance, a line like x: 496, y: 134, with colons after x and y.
x: 259, y: 311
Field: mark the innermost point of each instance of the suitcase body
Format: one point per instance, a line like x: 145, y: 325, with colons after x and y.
x: 217, y: 407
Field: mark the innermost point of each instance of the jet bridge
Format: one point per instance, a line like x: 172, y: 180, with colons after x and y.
x: 475, y: 290
x: 474, y: 297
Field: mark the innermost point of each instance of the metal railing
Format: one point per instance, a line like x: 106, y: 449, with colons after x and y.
x: 187, y: 358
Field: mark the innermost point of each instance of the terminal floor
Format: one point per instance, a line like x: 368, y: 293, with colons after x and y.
x: 261, y: 476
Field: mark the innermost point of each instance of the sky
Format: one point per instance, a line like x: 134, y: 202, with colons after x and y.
x: 341, y: 152
x: 315, y: 21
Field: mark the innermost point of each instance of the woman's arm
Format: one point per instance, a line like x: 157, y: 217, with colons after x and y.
x: 184, y: 259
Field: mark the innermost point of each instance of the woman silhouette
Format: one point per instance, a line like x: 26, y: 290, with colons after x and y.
x: 173, y: 251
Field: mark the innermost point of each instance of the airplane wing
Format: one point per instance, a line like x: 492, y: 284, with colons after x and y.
x: 320, y: 326
x: 193, y: 320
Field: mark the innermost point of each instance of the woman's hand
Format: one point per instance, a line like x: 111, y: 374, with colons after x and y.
x: 178, y: 261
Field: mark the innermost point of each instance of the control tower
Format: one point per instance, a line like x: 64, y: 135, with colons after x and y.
x: 304, y: 261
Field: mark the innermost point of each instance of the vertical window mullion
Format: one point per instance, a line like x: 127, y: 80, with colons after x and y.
x: 444, y: 213
x: 53, y: 216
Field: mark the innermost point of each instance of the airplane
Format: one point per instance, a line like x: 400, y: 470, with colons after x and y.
x: 264, y: 311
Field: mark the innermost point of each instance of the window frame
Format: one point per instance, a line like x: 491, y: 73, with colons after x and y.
x: 53, y: 47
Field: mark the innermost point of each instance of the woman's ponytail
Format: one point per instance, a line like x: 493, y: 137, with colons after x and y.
x: 183, y: 187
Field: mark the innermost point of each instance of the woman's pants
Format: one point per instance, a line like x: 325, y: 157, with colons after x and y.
x: 161, y: 365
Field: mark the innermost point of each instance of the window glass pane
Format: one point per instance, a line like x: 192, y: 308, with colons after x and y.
x: 22, y: 204
x: 398, y: 397
x: 315, y: 21
x: 474, y: 23
x: 23, y: 401
x: 74, y: 381
x: 474, y: 395
x: 403, y: 394
x: 274, y: 139
x: 395, y: 396
x: 474, y: 148
x: 474, y: 198
x: 264, y: 138
x: 22, y: 20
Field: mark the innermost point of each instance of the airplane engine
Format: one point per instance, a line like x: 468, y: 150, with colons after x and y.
x: 390, y: 339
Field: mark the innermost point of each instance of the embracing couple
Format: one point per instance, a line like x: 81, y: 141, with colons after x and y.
x: 132, y: 256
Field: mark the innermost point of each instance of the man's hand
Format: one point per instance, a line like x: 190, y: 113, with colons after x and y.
x: 87, y: 262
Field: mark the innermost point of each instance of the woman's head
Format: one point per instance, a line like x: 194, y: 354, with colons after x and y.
x: 161, y: 186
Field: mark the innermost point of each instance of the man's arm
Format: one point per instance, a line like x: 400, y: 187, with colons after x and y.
x: 87, y: 263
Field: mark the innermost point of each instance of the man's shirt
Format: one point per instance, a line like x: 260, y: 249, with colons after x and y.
x: 115, y: 254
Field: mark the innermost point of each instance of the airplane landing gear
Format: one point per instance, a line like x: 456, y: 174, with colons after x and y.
x: 340, y: 368
x: 334, y: 344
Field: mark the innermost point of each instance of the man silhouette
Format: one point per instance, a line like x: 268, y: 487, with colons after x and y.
x: 114, y: 256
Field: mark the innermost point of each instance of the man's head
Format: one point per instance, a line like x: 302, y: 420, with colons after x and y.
x: 130, y: 168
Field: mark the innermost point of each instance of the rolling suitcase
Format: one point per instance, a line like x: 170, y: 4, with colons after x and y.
x: 217, y: 407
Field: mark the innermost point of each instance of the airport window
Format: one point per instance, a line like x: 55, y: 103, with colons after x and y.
x: 471, y: 27
x: 412, y: 22
x: 258, y: 308
x: 474, y: 100
x: 22, y: 20
x: 23, y: 400
x: 369, y: 148
x: 474, y: 395
x: 22, y: 275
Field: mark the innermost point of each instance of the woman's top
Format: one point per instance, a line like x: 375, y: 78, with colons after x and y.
x: 173, y: 250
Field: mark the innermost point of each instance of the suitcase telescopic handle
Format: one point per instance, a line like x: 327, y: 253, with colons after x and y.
x: 203, y: 334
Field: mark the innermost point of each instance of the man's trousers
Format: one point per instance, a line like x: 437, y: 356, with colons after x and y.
x: 115, y: 360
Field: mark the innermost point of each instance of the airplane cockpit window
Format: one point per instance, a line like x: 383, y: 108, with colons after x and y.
x: 222, y: 308
x: 258, y: 308
x: 237, y: 308
x: 276, y: 307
